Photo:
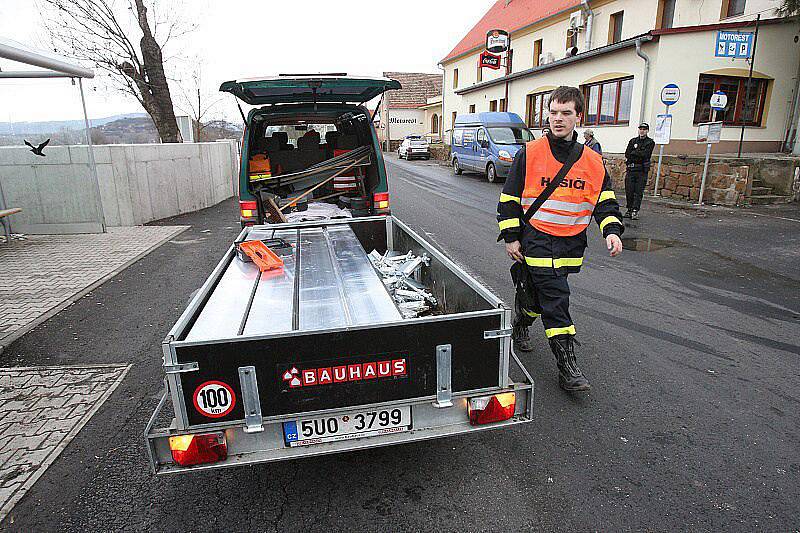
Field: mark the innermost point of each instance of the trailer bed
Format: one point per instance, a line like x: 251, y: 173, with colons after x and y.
x: 327, y: 282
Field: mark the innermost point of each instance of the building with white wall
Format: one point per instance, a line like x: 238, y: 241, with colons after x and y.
x: 621, y: 53
x: 407, y: 111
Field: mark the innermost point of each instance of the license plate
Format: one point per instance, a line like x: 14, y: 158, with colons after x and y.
x: 307, y: 431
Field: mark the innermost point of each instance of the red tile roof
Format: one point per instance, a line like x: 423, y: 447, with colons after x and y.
x: 417, y: 88
x: 510, y: 15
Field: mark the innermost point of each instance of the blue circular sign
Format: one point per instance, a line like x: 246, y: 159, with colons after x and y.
x: 670, y: 94
x: 719, y: 101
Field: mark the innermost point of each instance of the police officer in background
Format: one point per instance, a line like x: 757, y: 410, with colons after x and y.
x: 637, y: 158
x: 550, y: 247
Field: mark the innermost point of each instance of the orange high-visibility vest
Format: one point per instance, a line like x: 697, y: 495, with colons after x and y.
x: 569, y: 209
x: 259, y: 167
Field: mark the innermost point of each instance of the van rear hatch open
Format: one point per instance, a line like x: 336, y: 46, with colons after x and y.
x: 308, y: 88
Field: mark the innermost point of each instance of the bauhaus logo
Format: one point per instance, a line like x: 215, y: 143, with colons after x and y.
x: 311, y: 377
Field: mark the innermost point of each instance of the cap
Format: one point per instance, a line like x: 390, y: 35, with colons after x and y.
x: 588, y: 132
x: 644, y: 126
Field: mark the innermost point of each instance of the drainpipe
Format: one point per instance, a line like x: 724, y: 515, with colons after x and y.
x: 589, y: 20
x: 441, y: 121
x: 645, y: 77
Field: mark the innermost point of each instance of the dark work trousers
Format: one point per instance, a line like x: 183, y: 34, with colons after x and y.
x: 551, y: 302
x: 635, y: 180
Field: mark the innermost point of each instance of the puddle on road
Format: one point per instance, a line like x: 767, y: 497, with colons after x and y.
x: 645, y: 244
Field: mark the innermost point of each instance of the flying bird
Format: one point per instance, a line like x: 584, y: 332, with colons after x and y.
x: 38, y: 149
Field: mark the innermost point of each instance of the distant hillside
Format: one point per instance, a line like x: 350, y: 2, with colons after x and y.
x: 38, y: 128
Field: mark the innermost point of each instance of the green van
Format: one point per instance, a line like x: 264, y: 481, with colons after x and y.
x: 309, y: 138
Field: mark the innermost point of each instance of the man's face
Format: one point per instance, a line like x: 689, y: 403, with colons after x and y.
x: 586, y: 136
x: 563, y: 119
x: 643, y: 132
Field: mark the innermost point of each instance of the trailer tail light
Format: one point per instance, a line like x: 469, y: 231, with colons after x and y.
x: 488, y: 409
x: 381, y: 201
x: 188, y: 450
x: 248, y: 212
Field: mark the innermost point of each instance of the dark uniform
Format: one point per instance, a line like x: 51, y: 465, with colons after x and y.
x: 637, y: 158
x: 554, y: 241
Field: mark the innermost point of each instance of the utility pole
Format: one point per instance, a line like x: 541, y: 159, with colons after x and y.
x: 749, y: 81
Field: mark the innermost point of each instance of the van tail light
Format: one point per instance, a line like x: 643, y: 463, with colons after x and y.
x: 188, y: 450
x: 248, y: 211
x: 381, y: 201
x: 488, y: 409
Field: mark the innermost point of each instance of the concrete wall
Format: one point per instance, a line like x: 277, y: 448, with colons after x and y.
x: 138, y: 183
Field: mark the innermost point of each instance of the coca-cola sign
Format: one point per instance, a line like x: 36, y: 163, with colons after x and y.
x: 489, y: 60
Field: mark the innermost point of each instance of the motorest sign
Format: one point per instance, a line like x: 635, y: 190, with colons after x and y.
x: 296, y: 378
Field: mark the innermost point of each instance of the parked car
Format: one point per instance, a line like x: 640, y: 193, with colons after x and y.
x: 487, y: 143
x: 414, y: 146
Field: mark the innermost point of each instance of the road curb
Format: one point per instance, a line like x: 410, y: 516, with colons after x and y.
x: 12, y: 337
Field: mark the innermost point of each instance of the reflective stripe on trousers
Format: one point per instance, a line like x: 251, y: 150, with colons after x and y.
x: 549, y: 262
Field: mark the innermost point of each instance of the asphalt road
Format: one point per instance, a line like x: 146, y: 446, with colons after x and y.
x: 692, y: 423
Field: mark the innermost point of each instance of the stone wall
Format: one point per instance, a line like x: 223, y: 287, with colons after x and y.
x: 726, y: 184
x: 440, y: 152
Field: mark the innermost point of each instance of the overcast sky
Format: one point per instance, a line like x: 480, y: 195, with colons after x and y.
x: 246, y: 38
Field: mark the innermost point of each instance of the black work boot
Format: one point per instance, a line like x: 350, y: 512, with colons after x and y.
x: 520, y: 335
x: 635, y: 214
x: 628, y: 214
x: 570, y: 377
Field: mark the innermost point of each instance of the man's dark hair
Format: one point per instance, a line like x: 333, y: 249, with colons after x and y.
x: 566, y: 94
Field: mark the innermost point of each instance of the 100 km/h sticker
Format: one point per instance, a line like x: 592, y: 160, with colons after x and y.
x: 214, y: 399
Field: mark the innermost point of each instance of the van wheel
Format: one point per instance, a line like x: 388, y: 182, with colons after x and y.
x: 456, y: 169
x: 491, y: 173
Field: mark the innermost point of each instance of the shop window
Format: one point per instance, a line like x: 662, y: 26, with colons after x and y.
x: 608, y: 102
x: 472, y: 108
x: 745, y: 108
x: 455, y: 78
x: 615, y: 28
x: 493, y: 105
x: 666, y: 14
x: 538, y: 111
x: 732, y: 8
x: 537, y: 52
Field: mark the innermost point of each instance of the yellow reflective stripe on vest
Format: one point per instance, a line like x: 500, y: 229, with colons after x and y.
x: 608, y: 220
x: 549, y: 262
x: 564, y: 220
x: 510, y: 223
x: 606, y: 195
x: 552, y: 332
x: 508, y: 198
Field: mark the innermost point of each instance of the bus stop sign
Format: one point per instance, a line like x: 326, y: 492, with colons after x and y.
x: 670, y: 94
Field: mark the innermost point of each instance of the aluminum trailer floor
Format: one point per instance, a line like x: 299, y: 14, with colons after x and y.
x: 327, y: 281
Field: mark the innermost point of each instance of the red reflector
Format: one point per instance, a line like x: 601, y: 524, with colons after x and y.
x: 188, y: 450
x: 248, y: 204
x: 488, y: 409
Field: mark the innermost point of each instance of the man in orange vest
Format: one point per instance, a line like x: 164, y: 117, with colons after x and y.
x: 551, y: 245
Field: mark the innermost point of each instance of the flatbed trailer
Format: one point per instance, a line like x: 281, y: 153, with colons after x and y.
x: 316, y: 357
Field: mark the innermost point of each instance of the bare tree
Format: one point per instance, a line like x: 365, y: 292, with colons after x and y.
x: 196, y: 102
x: 789, y: 8
x: 104, y: 32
